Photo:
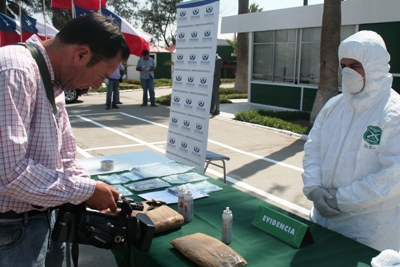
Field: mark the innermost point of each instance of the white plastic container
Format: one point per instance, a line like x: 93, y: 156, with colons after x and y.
x: 227, y: 220
x: 181, y: 196
x: 188, y: 207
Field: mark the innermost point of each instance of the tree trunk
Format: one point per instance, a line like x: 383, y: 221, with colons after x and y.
x: 242, y: 48
x: 3, y: 6
x: 329, y: 63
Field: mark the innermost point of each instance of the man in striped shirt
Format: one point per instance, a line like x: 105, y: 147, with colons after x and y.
x: 38, y: 166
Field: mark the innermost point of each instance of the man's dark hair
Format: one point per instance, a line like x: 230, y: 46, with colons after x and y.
x: 101, y: 34
x: 145, y: 52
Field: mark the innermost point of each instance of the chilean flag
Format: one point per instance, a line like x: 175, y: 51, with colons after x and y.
x: 8, y: 32
x: 45, y: 31
x: 85, y: 4
x: 28, y: 26
x: 31, y: 26
x: 136, y: 39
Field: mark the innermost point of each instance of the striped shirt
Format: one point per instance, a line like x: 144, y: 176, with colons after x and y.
x: 38, y: 163
x: 146, y: 63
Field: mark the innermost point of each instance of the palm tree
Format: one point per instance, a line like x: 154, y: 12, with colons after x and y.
x: 255, y: 8
x: 252, y: 9
x: 242, y: 49
x: 329, y: 64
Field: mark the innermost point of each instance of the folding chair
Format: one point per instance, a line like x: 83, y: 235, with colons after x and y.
x: 211, y: 156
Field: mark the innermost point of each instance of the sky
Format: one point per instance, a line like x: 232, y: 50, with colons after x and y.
x: 230, y: 8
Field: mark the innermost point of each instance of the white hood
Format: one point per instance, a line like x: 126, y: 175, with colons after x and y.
x: 369, y: 49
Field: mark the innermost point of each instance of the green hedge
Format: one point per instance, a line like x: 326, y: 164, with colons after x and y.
x: 276, y: 119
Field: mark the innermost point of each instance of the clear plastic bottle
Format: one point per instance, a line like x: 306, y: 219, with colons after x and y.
x: 181, y: 194
x: 188, y: 207
x: 227, y: 220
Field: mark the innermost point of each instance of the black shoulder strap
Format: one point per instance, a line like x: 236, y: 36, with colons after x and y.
x: 44, y: 72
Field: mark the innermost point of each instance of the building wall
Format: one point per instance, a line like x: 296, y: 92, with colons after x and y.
x: 390, y: 33
x: 384, y: 19
x: 163, y: 66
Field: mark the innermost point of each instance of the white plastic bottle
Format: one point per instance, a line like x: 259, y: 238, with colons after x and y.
x: 227, y: 220
x: 181, y: 194
x: 188, y: 207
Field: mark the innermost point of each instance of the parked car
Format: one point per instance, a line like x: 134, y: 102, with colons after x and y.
x: 72, y: 96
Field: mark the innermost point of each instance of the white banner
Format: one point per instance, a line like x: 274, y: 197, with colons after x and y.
x: 196, y: 48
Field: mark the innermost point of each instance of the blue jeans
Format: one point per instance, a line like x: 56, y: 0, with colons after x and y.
x: 112, y: 89
x: 27, y: 242
x: 148, y: 85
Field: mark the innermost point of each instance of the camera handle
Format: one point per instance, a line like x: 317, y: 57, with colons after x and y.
x: 127, y: 205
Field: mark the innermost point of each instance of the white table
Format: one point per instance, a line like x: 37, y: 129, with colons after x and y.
x: 122, y: 162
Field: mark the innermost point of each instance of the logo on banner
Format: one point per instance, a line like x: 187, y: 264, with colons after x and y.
x: 209, y: 12
x: 182, y: 16
x: 207, y: 36
x: 200, y: 106
x: 179, y: 59
x: 188, y: 103
x: 199, y: 129
x: 190, y: 82
x: 181, y: 38
x: 205, y: 60
x: 171, y: 142
x: 176, y: 101
x: 193, y: 37
x: 192, y: 60
x: 196, y: 151
x: 195, y: 14
x: 183, y: 147
x: 174, y: 122
x: 186, y: 125
x: 178, y: 80
x: 203, y: 83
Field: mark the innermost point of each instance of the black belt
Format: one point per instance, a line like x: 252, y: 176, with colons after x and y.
x: 13, y: 215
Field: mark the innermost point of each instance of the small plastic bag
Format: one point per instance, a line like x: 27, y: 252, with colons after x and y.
x: 113, y: 179
x: 184, y: 178
x: 147, y: 184
x: 206, y: 187
x: 123, y: 191
x: 131, y: 176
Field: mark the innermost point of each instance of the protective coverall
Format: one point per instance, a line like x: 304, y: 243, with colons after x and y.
x: 354, y: 147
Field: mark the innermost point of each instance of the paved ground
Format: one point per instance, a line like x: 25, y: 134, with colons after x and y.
x: 264, y: 162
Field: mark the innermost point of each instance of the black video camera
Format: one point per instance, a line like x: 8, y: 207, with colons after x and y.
x: 110, y: 231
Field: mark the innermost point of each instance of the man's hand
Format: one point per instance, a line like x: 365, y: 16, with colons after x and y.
x: 104, y: 197
x: 332, y: 202
x: 320, y: 197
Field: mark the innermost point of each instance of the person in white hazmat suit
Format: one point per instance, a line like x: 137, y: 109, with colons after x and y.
x: 352, y: 155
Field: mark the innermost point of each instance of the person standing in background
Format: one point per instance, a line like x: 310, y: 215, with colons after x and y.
x: 113, y: 88
x: 146, y: 65
x: 214, y: 108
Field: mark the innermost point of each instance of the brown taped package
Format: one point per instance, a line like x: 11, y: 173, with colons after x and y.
x: 163, y: 217
x: 207, y: 251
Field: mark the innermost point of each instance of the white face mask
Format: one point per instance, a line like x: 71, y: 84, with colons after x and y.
x: 352, y: 81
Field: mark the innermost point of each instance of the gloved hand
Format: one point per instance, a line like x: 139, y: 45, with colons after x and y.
x: 320, y: 196
x: 332, y: 202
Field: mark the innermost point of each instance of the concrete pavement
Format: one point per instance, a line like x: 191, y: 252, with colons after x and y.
x: 263, y: 162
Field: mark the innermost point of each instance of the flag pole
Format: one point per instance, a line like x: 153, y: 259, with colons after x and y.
x: 44, y: 18
x: 20, y: 20
x: 73, y: 9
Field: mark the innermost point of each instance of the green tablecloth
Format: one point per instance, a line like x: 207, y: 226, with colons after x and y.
x: 257, y: 247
